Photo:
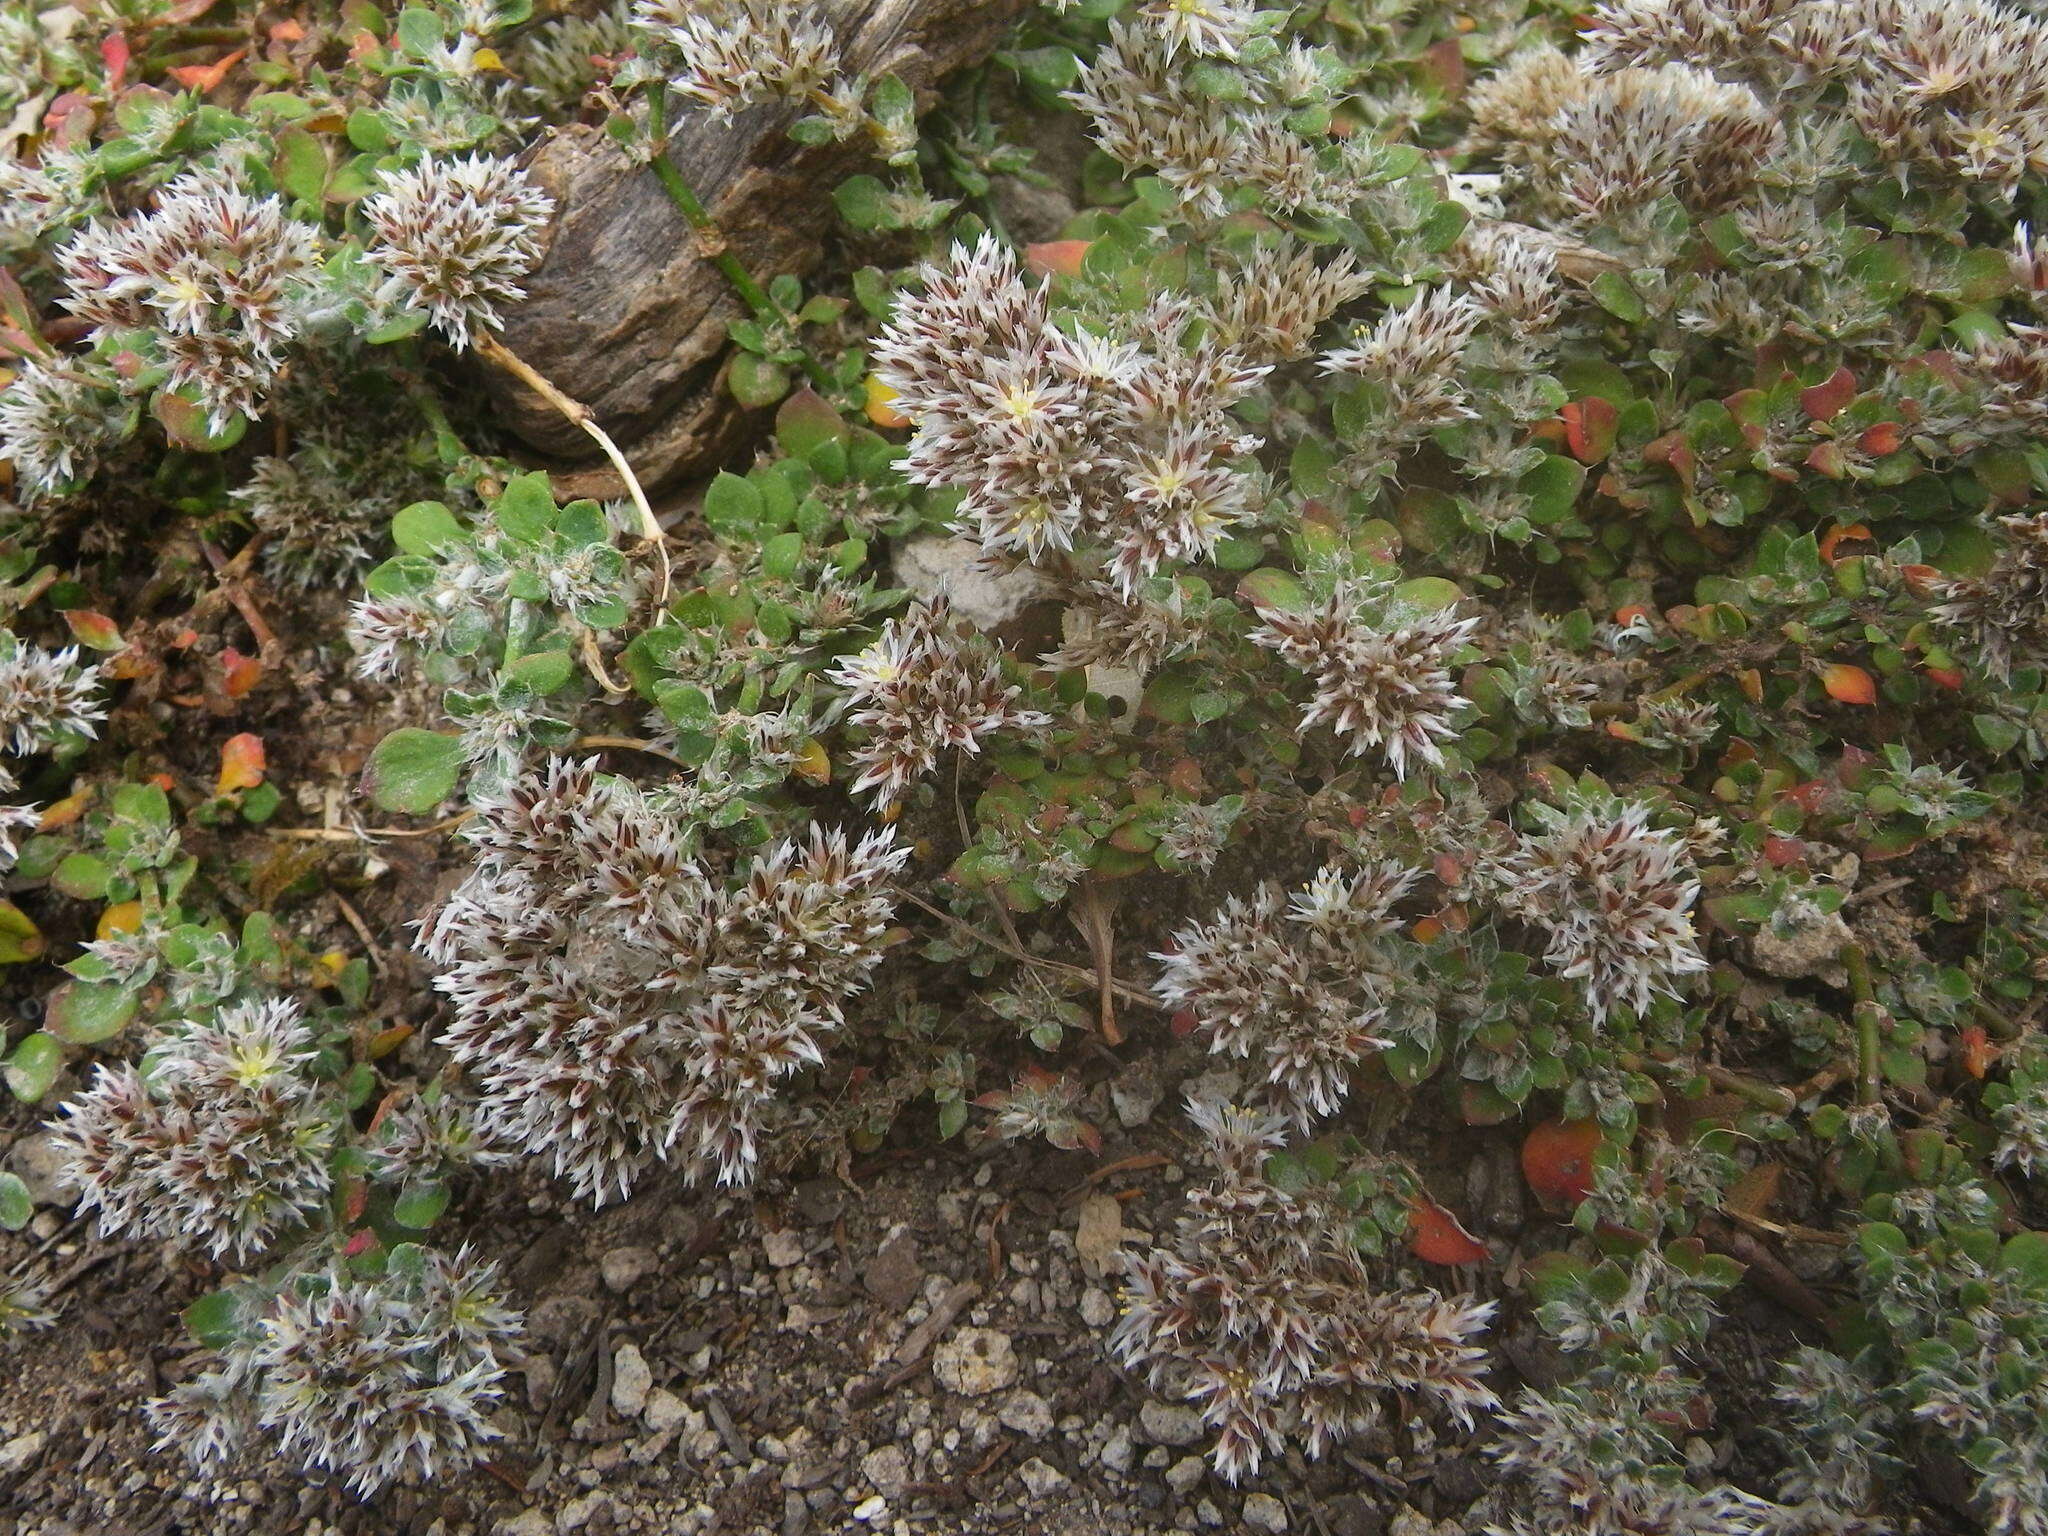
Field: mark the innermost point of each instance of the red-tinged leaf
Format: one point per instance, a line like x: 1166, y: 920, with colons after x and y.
x: 64, y: 812
x: 1946, y: 677
x: 114, y: 54
x: 1631, y: 613
x: 1811, y: 796
x: 1448, y: 868
x: 1428, y: 930
x: 94, y: 630
x: 359, y: 1243
x: 1849, y: 685
x: 163, y: 781
x: 206, y: 77
x: 287, y: 32
x: 1978, y: 1051
x: 1444, y: 63
x: 1589, y: 428
x: 355, y: 1200
x: 1050, y: 256
x: 1781, y: 851
x: 1088, y: 1137
x: 1825, y: 401
x: 241, y: 764
x: 1837, y: 535
x: 1184, y: 1023
x: 1852, y: 765
x: 240, y: 673
x: 1826, y: 459
x: 1436, y: 1237
x: 182, y: 11
x: 1879, y: 440
x: 1557, y: 1160
x: 1621, y: 730
x: 1920, y: 579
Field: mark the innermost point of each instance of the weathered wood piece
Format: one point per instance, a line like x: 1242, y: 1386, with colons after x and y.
x: 626, y: 315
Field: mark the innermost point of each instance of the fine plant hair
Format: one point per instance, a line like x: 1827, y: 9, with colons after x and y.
x: 619, y: 1006
x: 372, y: 1380
x: 1264, y: 1315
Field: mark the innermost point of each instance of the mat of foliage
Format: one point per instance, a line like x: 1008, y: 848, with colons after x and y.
x: 1338, y: 831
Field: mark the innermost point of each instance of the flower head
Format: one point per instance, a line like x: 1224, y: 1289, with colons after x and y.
x: 455, y: 237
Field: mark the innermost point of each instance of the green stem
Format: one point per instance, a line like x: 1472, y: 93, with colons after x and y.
x: 446, y: 443
x: 1868, y: 1017
x: 710, y: 238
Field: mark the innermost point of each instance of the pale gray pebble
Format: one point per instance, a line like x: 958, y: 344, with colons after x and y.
x: 1184, y: 1474
x: 1169, y: 1423
x: 1043, y: 1479
x: 1028, y: 1414
x: 1265, y: 1513
x: 631, y: 1381
x: 1097, y: 1310
x: 623, y: 1268
x: 975, y: 1362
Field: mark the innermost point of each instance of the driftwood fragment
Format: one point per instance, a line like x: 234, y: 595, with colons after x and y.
x: 625, y: 314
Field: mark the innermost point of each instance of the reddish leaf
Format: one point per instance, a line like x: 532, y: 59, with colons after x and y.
x: 1436, y: 1237
x: 1631, y: 613
x: 1947, y: 677
x: 1589, y: 428
x: 1837, y: 535
x: 1184, y: 1023
x: 359, y: 1244
x: 1849, y: 685
x: 1050, y: 256
x: 206, y: 77
x: 1444, y: 63
x: 95, y: 630
x: 1557, y: 1160
x: 1781, y: 851
x: 1920, y: 579
x: 1978, y: 1051
x: 242, y: 673
x: 1826, y: 459
x: 1881, y: 439
x: 114, y: 54
x: 1824, y: 402
x: 241, y: 764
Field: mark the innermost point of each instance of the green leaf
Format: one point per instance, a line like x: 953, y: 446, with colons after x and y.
x: 732, y: 506
x: 1271, y: 587
x: 1428, y: 593
x: 545, y: 672
x: 419, y: 31
x: 1997, y: 735
x: 215, y: 1318
x: 1618, y: 298
x: 525, y: 509
x: 33, y: 1067
x: 367, y: 131
x: 85, y: 1013
x: 419, y: 1206
x: 863, y: 203
x: 16, y: 1208
x: 755, y: 381
x: 424, y: 527
x: 413, y: 770
x: 83, y: 877
x: 805, y: 421
x: 19, y: 937
x: 301, y: 166
x: 407, y: 322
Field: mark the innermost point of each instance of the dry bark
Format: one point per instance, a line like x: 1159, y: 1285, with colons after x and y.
x: 627, y: 316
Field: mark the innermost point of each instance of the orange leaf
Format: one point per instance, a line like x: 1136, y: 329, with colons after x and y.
x: 1947, y: 677
x: 242, y: 672
x: 206, y: 77
x: 1978, y: 1050
x: 64, y: 812
x: 1061, y: 256
x: 1879, y: 440
x: 1837, y: 534
x: 1849, y: 685
x: 1557, y: 1160
x: 1754, y: 1193
x: 93, y: 629
x: 241, y: 764
x: 1436, y: 1237
x: 878, y: 408
x: 1827, y: 400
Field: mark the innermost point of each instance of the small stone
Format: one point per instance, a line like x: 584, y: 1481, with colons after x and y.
x: 622, y: 1268
x: 1263, y: 1512
x: 1042, y: 1479
x: 1409, y: 1521
x: 528, y: 1522
x: 1097, y: 1310
x: 1169, y: 1423
x: 886, y: 1470
x: 1208, y: 1513
x: 894, y: 1276
x: 785, y: 1248
x: 1100, y: 1233
x: 22, y: 1450
x: 871, y: 1509
x: 40, y: 1161
x: 631, y: 1380
x: 942, y: 565
x: 1353, y: 1514
x: 577, y: 1512
x: 1118, y: 1453
x: 1184, y: 1474
x: 1028, y: 1414
x: 975, y: 1362
x: 664, y: 1410
x: 1135, y: 1092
